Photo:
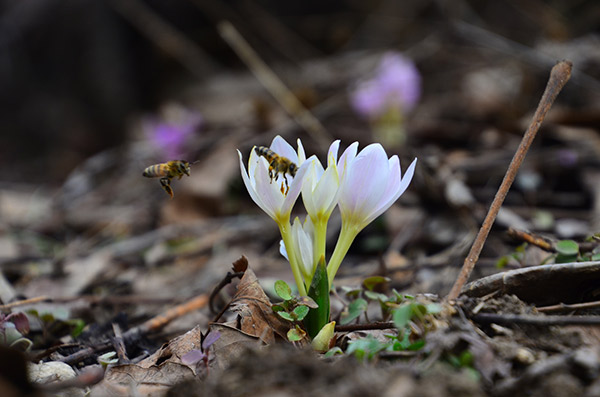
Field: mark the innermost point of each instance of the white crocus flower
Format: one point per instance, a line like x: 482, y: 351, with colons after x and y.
x: 271, y: 196
x: 274, y: 197
x: 369, y: 184
x: 302, y: 238
x: 319, y: 194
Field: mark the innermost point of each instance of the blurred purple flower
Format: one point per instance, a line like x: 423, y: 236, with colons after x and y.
x: 397, y: 84
x: 171, y: 133
x: 567, y: 157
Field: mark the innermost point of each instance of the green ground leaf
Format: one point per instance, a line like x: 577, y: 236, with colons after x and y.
x: 371, y: 282
x: 319, y: 291
x: 301, y: 312
x: 567, y: 247
x: 283, y: 290
x: 296, y: 334
x: 355, y: 309
x: 286, y: 316
x: 402, y: 315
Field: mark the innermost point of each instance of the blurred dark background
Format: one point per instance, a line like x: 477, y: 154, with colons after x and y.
x: 73, y: 73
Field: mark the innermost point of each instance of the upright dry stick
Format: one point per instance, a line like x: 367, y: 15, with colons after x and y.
x: 273, y: 84
x: 560, y: 74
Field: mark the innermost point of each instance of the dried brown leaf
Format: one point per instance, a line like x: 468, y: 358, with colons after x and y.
x: 254, y: 309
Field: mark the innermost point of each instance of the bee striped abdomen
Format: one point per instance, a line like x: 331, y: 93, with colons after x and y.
x: 277, y: 165
x: 155, y: 171
x: 168, y: 171
x: 266, y: 153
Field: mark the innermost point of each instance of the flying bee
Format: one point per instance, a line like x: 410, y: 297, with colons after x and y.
x: 277, y: 164
x: 167, y: 171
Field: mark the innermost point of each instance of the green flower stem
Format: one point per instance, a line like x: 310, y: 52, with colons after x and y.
x: 320, y: 225
x: 347, y: 236
x: 286, y: 235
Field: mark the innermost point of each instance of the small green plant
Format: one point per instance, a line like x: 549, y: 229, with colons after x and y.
x: 56, y: 321
x: 518, y: 254
x: 293, y: 309
x: 568, y: 251
x: 411, y: 317
x: 107, y: 359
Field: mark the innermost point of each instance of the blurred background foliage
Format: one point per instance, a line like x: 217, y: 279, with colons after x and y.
x: 74, y: 74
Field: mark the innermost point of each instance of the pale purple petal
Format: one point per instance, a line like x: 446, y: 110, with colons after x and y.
x: 282, y: 250
x: 406, y: 179
x: 332, y: 154
x: 269, y: 191
x: 347, y: 157
x: 301, y: 153
x: 251, y: 189
x: 282, y: 148
x: 192, y: 357
x: 396, y: 85
x: 304, y: 246
x: 368, y: 100
x: 296, y: 186
x: 400, y: 80
x: 324, y: 195
x: 365, y: 182
x: 396, y: 188
x: 387, y: 199
x: 211, y: 338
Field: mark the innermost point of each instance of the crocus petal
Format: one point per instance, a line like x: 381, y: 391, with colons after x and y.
x: 347, y: 157
x: 296, y: 186
x: 251, y: 190
x: 396, y: 187
x: 332, y: 154
x: 408, y: 175
x: 282, y: 250
x: 301, y: 153
x: 304, y: 246
x: 324, y: 195
x: 282, y: 148
x: 364, y: 183
x: 269, y: 191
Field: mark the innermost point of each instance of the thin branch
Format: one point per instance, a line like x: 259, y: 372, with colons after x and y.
x: 165, y: 36
x: 119, y: 344
x: 364, y: 327
x: 564, y: 307
x: 273, y: 84
x: 25, y: 302
x: 559, y: 76
x: 508, y: 319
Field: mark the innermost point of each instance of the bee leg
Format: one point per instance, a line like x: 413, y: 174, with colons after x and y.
x: 166, y: 184
x: 271, y: 174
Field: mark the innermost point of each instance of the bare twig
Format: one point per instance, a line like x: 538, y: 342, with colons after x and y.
x: 545, y: 243
x: 226, y: 280
x: 531, y: 238
x: 563, y: 307
x: 157, y: 322
x: 508, y: 319
x: 273, y: 84
x: 119, y: 344
x: 25, y: 302
x: 559, y: 76
x: 165, y: 36
x: 364, y: 327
